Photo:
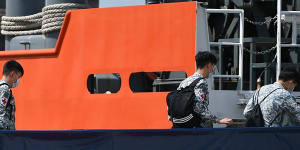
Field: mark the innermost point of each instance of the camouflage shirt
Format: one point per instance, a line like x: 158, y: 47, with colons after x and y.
x: 7, y: 107
x: 280, y: 106
x: 201, y: 99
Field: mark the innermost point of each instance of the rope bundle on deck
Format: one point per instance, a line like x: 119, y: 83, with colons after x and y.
x: 50, y: 19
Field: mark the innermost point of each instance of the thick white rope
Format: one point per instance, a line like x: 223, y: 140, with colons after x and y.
x: 49, y: 20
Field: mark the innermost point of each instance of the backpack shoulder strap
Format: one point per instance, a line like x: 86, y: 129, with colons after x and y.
x: 267, y: 96
x: 4, y: 84
x: 194, y: 83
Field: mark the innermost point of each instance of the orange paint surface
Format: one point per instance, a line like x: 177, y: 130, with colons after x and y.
x: 53, y: 93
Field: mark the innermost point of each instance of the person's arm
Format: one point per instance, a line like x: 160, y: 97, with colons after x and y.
x: 290, y: 105
x: 202, y: 101
x: 4, y: 97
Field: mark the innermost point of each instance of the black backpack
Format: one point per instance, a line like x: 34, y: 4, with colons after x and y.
x: 180, y: 102
x: 256, y: 118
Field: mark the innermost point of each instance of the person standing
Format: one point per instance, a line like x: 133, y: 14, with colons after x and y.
x: 202, y: 117
x: 278, y: 106
x: 12, y: 72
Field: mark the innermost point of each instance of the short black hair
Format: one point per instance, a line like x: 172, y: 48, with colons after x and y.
x: 287, y: 74
x: 12, y: 65
x: 204, y: 57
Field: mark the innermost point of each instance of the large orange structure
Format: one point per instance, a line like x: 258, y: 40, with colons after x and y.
x: 53, y: 93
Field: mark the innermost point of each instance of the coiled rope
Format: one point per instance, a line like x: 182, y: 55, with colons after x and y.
x: 50, y: 19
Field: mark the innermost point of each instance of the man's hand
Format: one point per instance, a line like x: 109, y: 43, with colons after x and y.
x: 225, y: 121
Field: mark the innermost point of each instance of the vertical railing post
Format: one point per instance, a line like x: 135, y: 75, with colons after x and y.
x: 241, y: 56
x: 278, y: 39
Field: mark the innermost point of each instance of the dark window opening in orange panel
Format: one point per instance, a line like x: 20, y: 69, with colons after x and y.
x: 156, y: 81
x: 104, y: 83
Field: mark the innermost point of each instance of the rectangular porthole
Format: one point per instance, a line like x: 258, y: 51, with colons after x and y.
x: 104, y: 83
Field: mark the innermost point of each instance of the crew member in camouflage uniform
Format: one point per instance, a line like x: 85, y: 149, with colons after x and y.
x: 205, y: 62
x: 280, y: 107
x: 12, y: 71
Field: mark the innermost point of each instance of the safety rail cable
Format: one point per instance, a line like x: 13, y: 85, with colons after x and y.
x: 269, y: 20
x: 270, y: 50
x: 50, y: 19
x: 240, y: 43
x: 294, y: 33
x: 260, y: 23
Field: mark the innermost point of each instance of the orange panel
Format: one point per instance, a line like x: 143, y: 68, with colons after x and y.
x: 53, y: 93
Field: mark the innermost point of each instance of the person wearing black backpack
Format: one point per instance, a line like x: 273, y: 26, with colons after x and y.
x: 196, y: 114
x: 12, y: 72
x: 278, y: 107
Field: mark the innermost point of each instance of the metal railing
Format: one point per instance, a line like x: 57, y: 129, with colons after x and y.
x: 294, y: 33
x: 240, y: 44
